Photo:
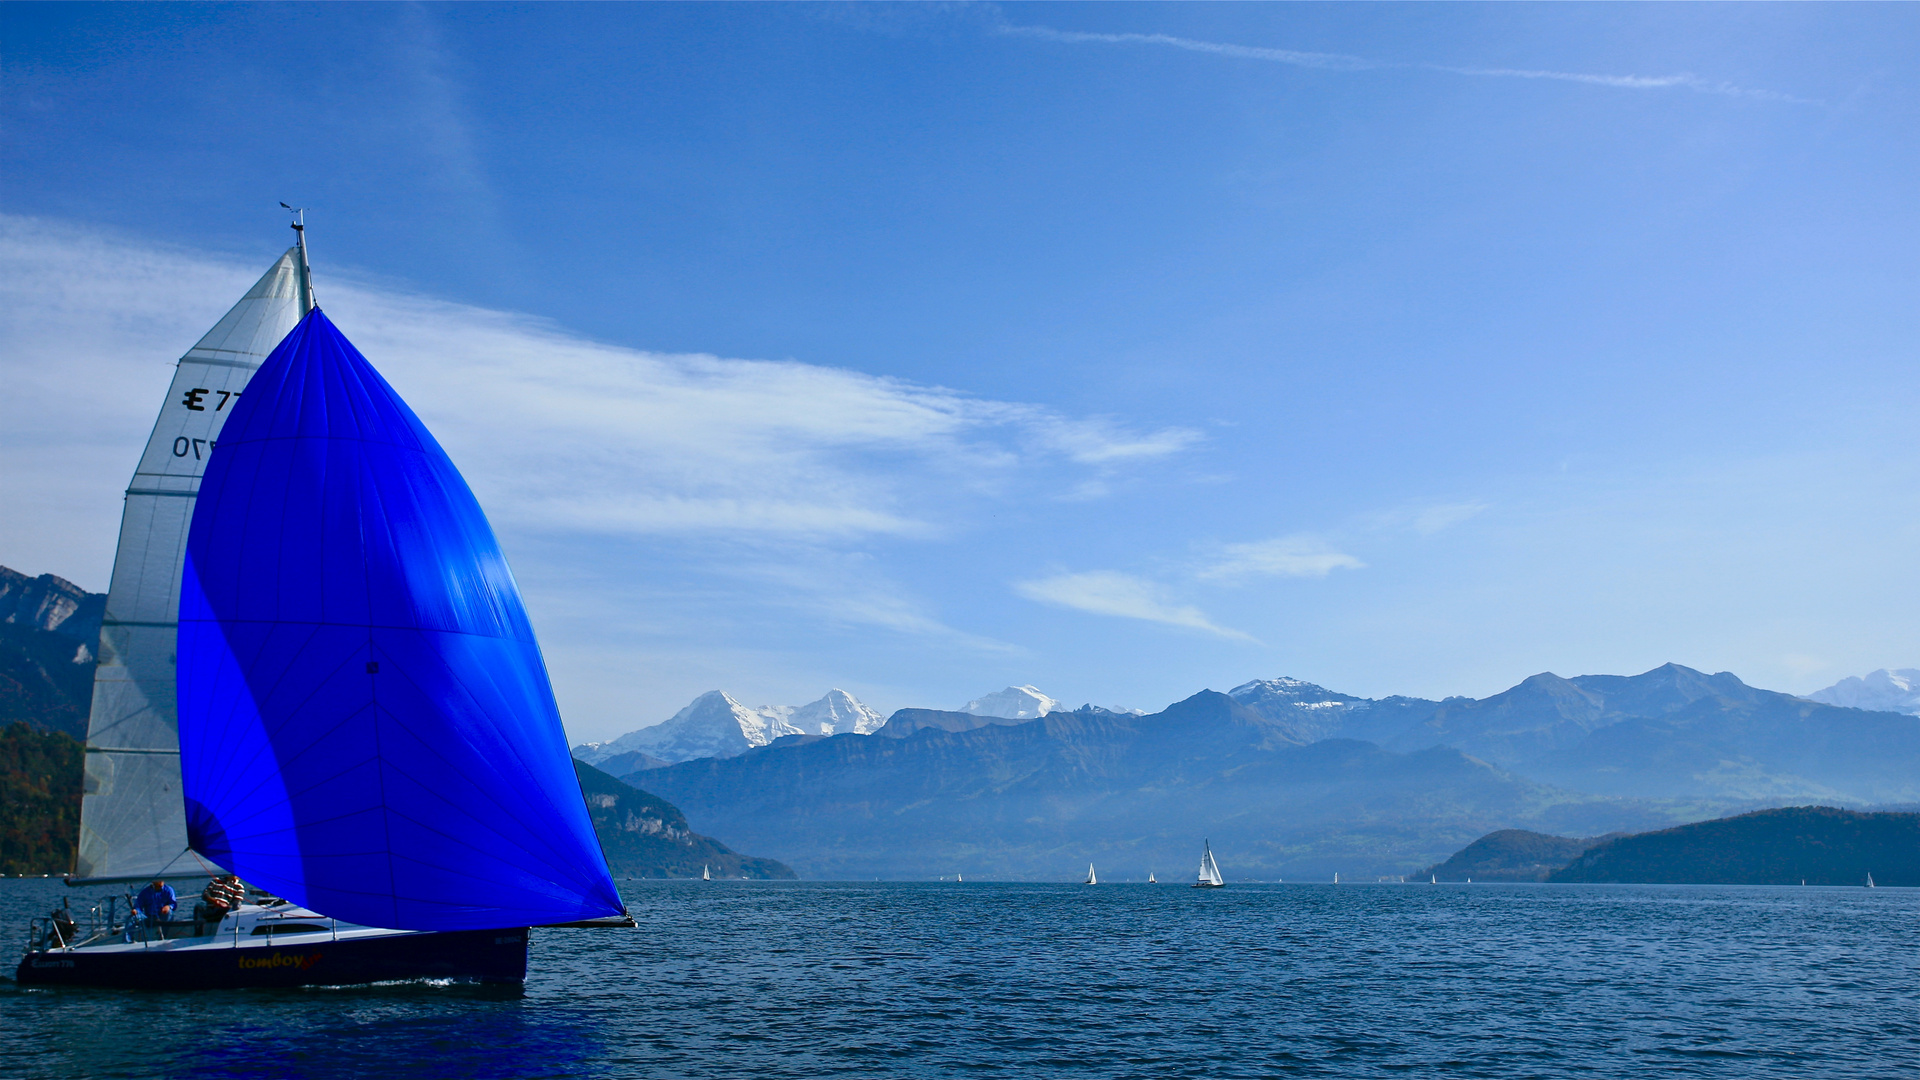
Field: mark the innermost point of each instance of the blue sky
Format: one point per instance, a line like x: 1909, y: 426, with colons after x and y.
x: 1121, y: 350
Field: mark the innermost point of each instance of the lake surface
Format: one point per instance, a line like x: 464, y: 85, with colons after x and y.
x: 819, y: 979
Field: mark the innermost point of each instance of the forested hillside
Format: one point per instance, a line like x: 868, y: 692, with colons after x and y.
x: 39, y: 800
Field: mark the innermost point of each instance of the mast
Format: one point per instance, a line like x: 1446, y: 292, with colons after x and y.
x: 303, y: 270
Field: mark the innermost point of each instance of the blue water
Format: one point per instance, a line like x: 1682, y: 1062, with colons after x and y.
x: 807, y: 979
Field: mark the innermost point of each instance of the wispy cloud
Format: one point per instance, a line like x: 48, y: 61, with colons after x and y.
x: 557, y: 433
x: 1109, y: 592
x: 1345, y: 62
x: 1425, y: 519
x: 1285, y: 556
x: 1104, y: 441
x: 846, y: 590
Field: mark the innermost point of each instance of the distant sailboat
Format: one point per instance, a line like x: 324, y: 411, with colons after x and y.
x: 1433, y: 879
x: 1209, y: 870
x: 1091, y: 880
x: 706, y: 873
x: 1869, y: 881
x: 1336, y: 877
x: 961, y: 878
x: 1150, y: 878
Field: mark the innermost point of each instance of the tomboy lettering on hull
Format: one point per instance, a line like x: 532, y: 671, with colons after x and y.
x: 280, y: 960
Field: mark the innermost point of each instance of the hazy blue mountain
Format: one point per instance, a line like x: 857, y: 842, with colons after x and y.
x: 905, y: 722
x: 1309, y: 713
x: 49, y: 628
x: 1040, y: 799
x: 1547, y: 713
x: 633, y: 761
x: 1669, y: 733
x: 1511, y: 855
x: 1897, y: 690
x: 1818, y: 845
x: 1776, y: 749
x: 646, y: 836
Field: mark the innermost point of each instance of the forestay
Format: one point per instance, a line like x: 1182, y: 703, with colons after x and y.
x: 131, y: 821
x: 367, y: 726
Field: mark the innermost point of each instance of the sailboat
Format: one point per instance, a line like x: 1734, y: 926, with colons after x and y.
x: 1869, y: 881
x: 1209, y: 870
x: 1091, y: 879
x: 960, y: 879
x: 360, y: 723
x: 706, y: 873
x: 1150, y: 878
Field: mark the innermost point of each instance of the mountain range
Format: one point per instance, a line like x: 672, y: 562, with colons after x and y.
x: 1042, y: 797
x: 1669, y: 733
x: 1288, y: 778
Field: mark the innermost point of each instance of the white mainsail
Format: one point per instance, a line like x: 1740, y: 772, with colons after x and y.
x: 132, y: 819
x: 1209, y: 869
x: 1091, y: 880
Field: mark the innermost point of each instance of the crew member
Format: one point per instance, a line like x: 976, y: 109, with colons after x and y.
x: 157, y: 901
x: 154, y: 904
x: 221, y: 898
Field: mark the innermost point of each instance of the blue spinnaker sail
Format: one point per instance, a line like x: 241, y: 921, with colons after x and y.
x: 366, y: 724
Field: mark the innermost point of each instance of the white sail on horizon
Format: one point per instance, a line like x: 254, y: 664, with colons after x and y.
x: 1209, y: 869
x: 132, y: 817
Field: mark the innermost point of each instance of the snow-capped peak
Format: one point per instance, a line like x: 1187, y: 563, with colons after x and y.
x: 1895, y: 690
x: 836, y: 714
x: 1014, y: 703
x: 716, y: 725
x: 1288, y: 691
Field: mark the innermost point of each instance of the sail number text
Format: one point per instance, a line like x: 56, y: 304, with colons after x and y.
x: 195, y: 399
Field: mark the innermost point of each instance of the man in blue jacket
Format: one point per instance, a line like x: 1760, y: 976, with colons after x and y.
x: 154, y: 904
x: 157, y: 901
